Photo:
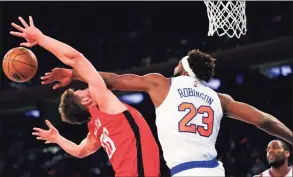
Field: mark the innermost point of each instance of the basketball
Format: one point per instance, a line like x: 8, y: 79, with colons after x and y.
x: 20, y: 64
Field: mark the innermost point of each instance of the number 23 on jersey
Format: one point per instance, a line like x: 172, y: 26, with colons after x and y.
x: 208, y: 120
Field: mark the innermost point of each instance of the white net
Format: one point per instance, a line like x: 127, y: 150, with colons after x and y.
x: 226, y: 17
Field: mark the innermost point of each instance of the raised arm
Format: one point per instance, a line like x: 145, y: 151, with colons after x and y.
x: 126, y: 82
x: 251, y: 115
x: 129, y: 82
x: 64, y: 53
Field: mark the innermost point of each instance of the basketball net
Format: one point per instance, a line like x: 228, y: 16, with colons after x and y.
x: 226, y: 17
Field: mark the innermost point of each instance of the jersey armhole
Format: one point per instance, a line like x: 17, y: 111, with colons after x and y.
x: 170, y: 81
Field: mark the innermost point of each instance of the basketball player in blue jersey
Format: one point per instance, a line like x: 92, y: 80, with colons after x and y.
x: 186, y: 110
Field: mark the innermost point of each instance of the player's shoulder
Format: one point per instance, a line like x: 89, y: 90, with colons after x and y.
x: 224, y: 98
x: 154, y: 76
x: 158, y: 75
x: 155, y: 79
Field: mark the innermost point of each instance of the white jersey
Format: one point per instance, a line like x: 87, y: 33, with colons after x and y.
x: 188, y: 121
x: 267, y: 173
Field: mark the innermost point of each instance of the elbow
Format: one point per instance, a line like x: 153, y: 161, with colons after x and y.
x: 72, y: 54
x: 80, y: 155
x: 73, y: 58
x: 77, y: 56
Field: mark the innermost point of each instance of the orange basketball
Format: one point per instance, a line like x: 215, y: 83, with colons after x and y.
x: 20, y: 64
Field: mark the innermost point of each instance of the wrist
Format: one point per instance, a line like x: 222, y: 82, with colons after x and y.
x: 40, y: 38
x: 58, y: 139
x: 74, y: 75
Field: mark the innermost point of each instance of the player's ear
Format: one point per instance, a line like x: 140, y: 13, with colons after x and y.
x: 287, y: 154
x: 86, y: 101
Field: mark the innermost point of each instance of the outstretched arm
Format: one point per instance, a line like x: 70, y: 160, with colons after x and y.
x: 113, y: 81
x: 73, y: 58
x: 262, y: 120
x: 128, y: 82
x: 87, y: 147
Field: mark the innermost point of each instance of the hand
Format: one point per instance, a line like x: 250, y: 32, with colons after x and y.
x: 50, y: 136
x: 29, y: 32
x: 61, y: 75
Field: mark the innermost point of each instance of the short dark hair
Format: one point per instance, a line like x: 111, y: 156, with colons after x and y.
x: 284, y: 145
x: 201, y: 64
x: 71, y: 109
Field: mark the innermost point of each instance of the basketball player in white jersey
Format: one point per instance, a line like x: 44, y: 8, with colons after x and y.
x: 188, y: 113
x: 277, y: 156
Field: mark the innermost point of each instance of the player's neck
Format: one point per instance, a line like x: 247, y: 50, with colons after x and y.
x: 281, y: 171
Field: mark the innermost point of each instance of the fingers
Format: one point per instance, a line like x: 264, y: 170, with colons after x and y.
x: 39, y: 130
x: 46, y: 77
x: 26, y: 44
x: 18, y: 34
x: 46, y: 82
x: 56, y: 69
x: 49, y: 124
x: 41, y: 138
x: 44, y: 139
x: 31, y: 21
x: 36, y: 133
x: 23, y: 22
x: 17, y: 27
x: 56, y: 86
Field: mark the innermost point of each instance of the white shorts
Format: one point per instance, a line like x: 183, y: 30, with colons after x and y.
x: 201, y: 170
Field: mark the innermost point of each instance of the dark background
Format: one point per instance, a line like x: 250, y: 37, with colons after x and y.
x: 143, y: 37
